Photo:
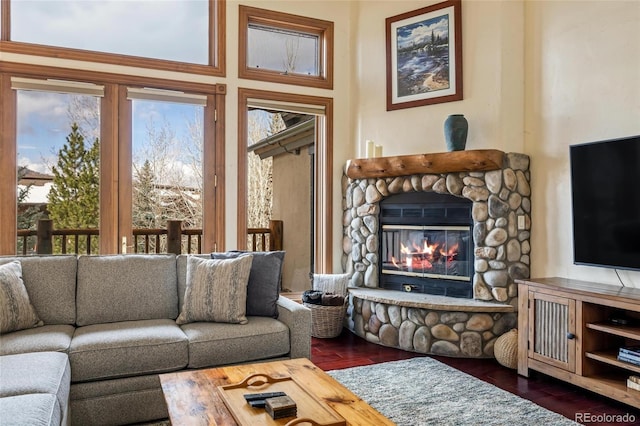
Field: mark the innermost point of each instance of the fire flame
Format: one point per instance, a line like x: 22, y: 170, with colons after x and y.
x: 422, y: 257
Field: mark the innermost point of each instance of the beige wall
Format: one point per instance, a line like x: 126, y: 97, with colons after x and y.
x: 292, y: 205
x: 492, y: 34
x: 583, y: 84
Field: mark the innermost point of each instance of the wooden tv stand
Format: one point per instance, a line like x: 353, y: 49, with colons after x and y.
x: 566, y: 329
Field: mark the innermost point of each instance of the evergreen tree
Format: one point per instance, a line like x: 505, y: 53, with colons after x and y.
x: 145, y: 199
x: 75, y: 193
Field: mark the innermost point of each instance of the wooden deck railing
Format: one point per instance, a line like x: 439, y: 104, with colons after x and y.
x: 266, y: 239
x: 173, y: 239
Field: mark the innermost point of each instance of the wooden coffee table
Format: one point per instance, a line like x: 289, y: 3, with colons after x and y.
x: 193, y: 398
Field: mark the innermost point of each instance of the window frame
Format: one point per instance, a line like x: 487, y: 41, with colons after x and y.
x: 115, y: 153
x: 217, y: 53
x: 288, y: 22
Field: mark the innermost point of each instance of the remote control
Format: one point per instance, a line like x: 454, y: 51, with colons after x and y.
x: 259, y: 396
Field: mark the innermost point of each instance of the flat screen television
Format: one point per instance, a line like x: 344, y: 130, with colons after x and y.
x: 605, y: 187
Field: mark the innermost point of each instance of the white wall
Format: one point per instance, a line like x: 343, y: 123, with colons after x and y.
x: 582, y: 85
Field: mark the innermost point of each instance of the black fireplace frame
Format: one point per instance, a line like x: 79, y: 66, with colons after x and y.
x: 427, y: 208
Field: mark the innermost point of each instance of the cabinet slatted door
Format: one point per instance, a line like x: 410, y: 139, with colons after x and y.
x: 552, y: 330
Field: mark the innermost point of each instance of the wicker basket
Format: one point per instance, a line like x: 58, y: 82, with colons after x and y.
x: 506, y: 349
x: 326, y: 321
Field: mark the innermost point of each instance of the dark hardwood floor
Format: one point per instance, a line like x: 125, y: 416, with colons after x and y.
x: 349, y: 350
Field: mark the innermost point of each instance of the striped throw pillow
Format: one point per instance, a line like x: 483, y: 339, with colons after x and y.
x: 216, y: 290
x: 16, y: 310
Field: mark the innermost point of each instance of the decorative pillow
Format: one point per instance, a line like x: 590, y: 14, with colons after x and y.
x: 264, y: 281
x: 216, y: 290
x: 16, y: 310
x: 331, y: 283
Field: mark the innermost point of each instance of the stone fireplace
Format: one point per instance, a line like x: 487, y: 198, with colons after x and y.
x: 433, y: 244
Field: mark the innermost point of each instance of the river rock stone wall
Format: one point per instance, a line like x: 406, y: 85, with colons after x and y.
x: 501, y: 231
x: 448, y: 333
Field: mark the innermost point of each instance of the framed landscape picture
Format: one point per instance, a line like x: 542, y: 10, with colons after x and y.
x: 424, y: 56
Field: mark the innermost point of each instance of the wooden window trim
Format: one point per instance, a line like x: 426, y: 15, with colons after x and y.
x: 8, y: 167
x: 323, y: 29
x: 323, y: 203
x: 217, y: 52
x: 99, y: 77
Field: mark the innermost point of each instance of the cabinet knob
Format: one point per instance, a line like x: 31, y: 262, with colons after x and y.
x: 571, y: 336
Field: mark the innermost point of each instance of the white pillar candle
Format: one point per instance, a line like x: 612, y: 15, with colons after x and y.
x: 370, y: 149
x: 378, y: 151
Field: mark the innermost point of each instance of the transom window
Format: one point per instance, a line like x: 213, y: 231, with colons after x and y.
x: 287, y: 52
x: 148, y: 33
x: 285, y: 48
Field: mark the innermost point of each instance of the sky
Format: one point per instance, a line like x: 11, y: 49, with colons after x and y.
x: 167, y: 31
x: 44, y: 122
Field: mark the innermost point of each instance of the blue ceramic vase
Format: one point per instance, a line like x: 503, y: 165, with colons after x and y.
x: 455, y: 132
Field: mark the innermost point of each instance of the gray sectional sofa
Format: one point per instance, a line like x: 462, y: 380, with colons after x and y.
x: 109, y: 330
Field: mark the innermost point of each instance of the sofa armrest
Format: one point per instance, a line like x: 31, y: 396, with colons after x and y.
x: 298, y: 318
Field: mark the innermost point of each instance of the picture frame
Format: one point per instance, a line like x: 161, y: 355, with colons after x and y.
x: 424, y: 56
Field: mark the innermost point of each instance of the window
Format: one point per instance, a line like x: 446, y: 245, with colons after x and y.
x: 285, y: 48
x: 58, y: 158
x: 123, y: 126
x: 170, y: 35
x: 167, y: 142
x: 285, y: 52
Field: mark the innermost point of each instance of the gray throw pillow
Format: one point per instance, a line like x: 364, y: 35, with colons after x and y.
x: 216, y: 290
x: 16, y: 310
x: 264, y: 281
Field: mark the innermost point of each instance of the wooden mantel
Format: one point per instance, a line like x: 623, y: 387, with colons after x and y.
x: 443, y: 162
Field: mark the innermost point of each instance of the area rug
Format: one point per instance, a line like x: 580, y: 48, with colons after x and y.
x: 423, y: 391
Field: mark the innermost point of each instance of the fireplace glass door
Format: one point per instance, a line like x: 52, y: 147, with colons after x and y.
x: 439, y: 252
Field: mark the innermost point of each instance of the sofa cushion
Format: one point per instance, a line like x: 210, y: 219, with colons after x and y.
x: 38, y: 409
x: 216, y: 290
x: 126, y: 288
x: 212, y: 344
x: 181, y: 266
x: 52, y: 338
x: 16, y: 310
x: 265, y: 278
x: 127, y: 348
x: 38, y: 372
x: 118, y: 401
x: 51, y: 284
